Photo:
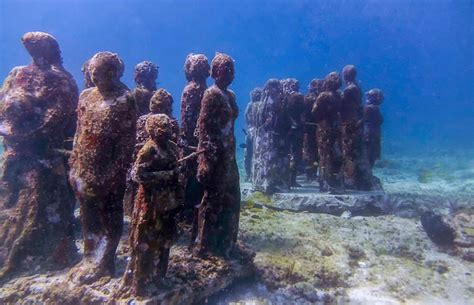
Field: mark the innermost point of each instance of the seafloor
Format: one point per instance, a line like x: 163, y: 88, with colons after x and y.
x: 314, y: 258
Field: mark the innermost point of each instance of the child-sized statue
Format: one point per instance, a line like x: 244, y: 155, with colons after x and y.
x: 145, y: 76
x: 160, y: 103
x: 37, y: 104
x: 326, y: 113
x: 102, y: 152
x: 218, y: 217
x: 250, y: 119
x: 310, y: 144
x: 153, y: 225
x: 357, y: 173
x: 373, y: 120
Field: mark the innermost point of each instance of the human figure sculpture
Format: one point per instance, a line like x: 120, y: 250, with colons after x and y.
x: 87, y: 75
x: 310, y: 144
x: 160, y: 103
x: 153, y: 226
x: 37, y: 104
x: 145, y: 76
x: 196, y: 70
x: 218, y: 217
x: 326, y: 113
x: 271, y: 166
x: 250, y: 119
x: 101, y: 155
x: 295, y: 107
x: 373, y: 121
x: 357, y: 173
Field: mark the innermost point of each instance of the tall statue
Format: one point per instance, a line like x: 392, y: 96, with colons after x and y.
x: 310, y: 145
x: 218, y: 217
x: 357, y: 173
x: 250, y: 119
x: 37, y: 106
x: 271, y: 166
x: 103, y: 147
x: 196, y: 70
x: 160, y: 103
x: 145, y: 76
x: 153, y: 226
x: 326, y: 113
x: 295, y: 107
x: 373, y: 121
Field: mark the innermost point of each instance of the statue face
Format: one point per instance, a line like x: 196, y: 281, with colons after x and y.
x: 349, y: 73
x: 196, y: 67
x: 222, y: 69
x: 106, y: 69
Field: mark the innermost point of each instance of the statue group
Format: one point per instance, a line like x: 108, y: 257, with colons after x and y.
x: 328, y: 135
x: 111, y: 150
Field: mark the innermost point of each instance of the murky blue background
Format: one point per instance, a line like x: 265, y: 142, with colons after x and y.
x: 419, y: 52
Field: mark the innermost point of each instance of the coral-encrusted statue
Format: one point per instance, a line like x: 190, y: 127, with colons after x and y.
x: 160, y: 103
x: 145, y: 77
x: 294, y: 105
x: 37, y: 105
x: 218, y: 217
x: 326, y: 113
x: 251, y: 120
x: 87, y: 75
x: 102, y: 152
x: 153, y: 225
x: 310, y: 145
x: 373, y: 120
x: 196, y: 70
x: 357, y: 173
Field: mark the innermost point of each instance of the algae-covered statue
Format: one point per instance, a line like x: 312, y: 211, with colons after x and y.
x: 357, y: 173
x: 196, y: 70
x: 160, y: 103
x: 373, y: 120
x: 87, y: 75
x: 295, y: 107
x: 218, y: 217
x: 271, y: 166
x: 310, y: 145
x: 326, y: 113
x: 145, y: 76
x: 153, y: 226
x: 251, y: 121
x: 37, y: 104
x: 102, y: 151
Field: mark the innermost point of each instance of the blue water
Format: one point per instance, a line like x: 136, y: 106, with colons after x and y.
x: 420, y: 53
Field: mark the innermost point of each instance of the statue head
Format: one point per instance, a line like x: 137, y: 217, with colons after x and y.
x: 332, y: 82
x: 196, y: 67
x: 146, y: 74
x: 43, y: 48
x: 106, y: 68
x: 159, y: 127
x: 222, y: 70
x: 290, y: 85
x: 374, y: 97
x: 316, y: 86
x: 256, y: 94
x: 349, y: 73
x: 161, y: 102
x: 273, y: 88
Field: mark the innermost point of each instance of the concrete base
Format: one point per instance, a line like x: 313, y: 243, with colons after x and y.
x: 308, y: 198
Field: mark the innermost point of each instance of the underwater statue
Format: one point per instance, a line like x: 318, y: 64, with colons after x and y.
x: 153, y: 226
x: 357, y: 173
x: 326, y: 113
x: 250, y: 119
x: 373, y: 121
x: 160, y: 103
x: 196, y: 70
x: 37, y: 106
x: 145, y: 76
x: 295, y: 107
x: 218, y: 216
x: 310, y: 144
x: 103, y: 147
x: 271, y: 165
x: 87, y: 75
